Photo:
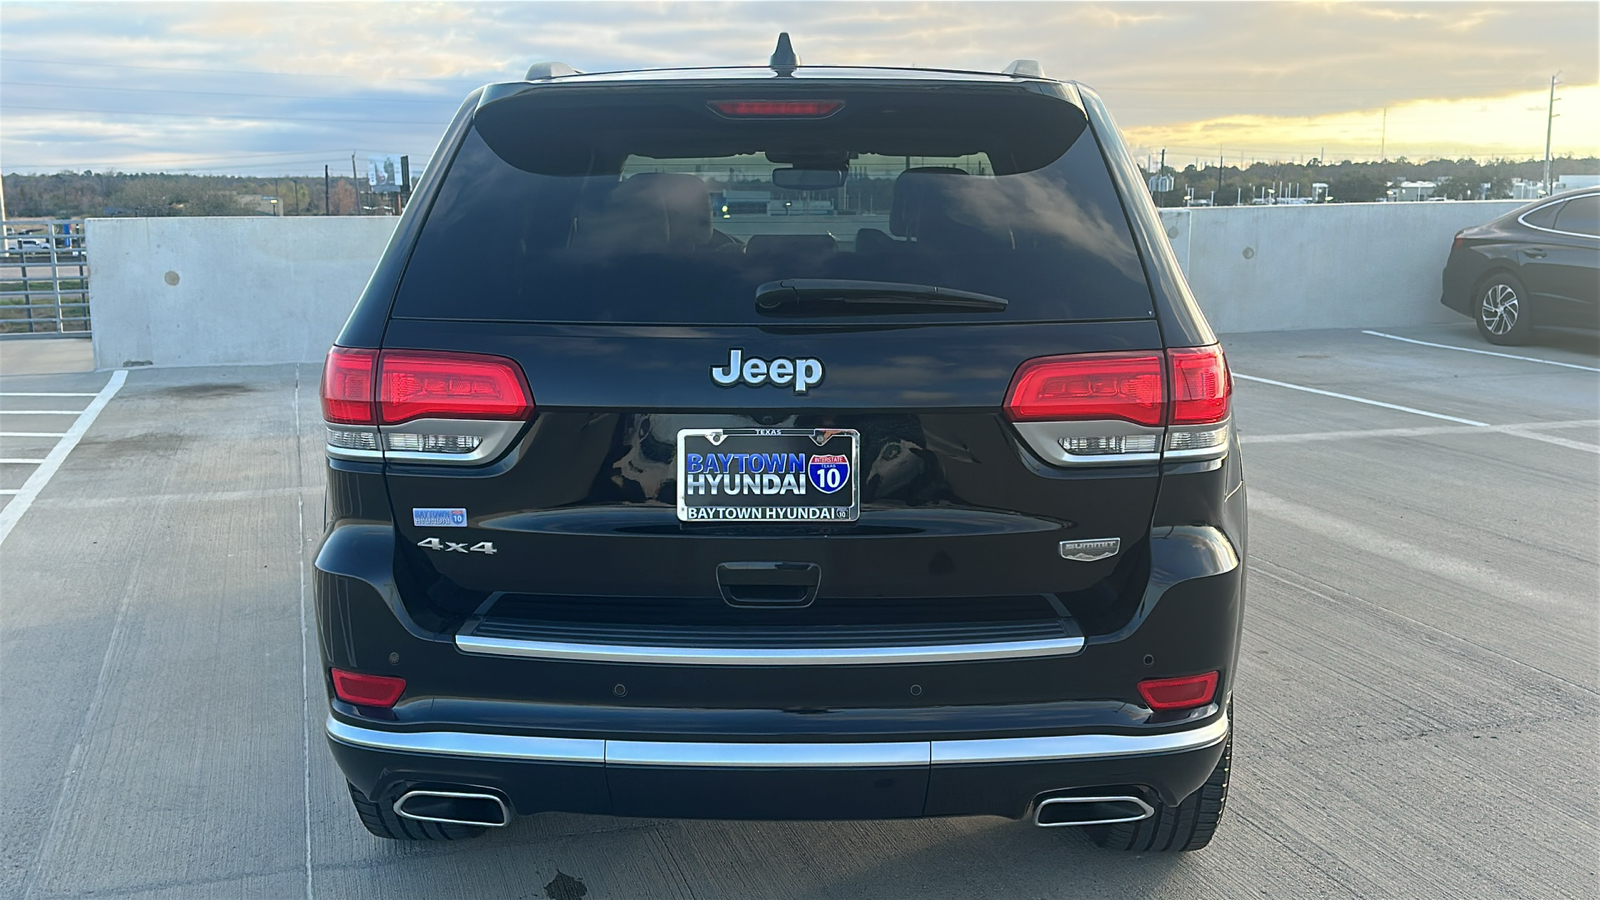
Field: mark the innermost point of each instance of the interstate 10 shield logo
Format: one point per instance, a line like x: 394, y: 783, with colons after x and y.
x: 829, y: 473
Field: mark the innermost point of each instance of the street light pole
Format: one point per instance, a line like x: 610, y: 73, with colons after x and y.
x: 1549, y: 122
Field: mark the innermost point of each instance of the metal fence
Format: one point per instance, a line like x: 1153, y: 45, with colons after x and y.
x: 44, y: 277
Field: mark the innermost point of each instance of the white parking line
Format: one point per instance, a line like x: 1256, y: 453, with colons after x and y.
x: 33, y: 434
x: 40, y: 412
x: 43, y: 394
x: 15, y: 461
x: 1532, y: 359
x: 41, y: 476
x: 1520, y: 429
x: 1412, y: 410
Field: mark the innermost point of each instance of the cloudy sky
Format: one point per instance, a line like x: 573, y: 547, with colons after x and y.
x: 286, y: 87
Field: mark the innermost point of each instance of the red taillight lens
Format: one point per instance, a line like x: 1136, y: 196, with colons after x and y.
x: 347, y: 386
x: 768, y: 109
x: 1186, y: 692
x: 1128, y: 386
x: 1200, y: 386
x: 367, y: 690
x: 1456, y: 244
x: 417, y: 384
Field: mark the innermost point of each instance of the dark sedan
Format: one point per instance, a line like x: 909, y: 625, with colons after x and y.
x: 1536, y: 265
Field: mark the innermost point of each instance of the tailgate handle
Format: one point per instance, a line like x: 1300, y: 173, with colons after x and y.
x: 765, y: 584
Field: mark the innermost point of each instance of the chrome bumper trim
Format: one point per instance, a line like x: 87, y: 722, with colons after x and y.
x: 465, y: 743
x: 770, y: 656
x: 791, y: 755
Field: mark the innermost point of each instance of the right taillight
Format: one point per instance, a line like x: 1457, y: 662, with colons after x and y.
x: 1124, y: 407
x: 1126, y: 386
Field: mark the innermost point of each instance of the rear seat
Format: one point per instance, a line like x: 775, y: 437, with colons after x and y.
x: 651, y: 212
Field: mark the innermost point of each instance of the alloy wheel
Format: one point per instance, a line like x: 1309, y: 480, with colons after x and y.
x: 1499, y: 312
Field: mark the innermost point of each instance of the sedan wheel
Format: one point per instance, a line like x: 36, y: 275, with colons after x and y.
x: 1502, y: 314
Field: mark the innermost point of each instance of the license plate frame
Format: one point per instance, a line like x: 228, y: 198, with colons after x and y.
x: 838, y: 448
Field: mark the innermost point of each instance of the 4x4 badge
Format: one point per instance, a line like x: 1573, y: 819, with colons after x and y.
x: 1090, y: 550
x: 454, y: 547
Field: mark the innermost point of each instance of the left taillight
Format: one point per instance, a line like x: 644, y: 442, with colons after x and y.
x: 347, y: 387
x: 415, y: 384
x: 422, y: 405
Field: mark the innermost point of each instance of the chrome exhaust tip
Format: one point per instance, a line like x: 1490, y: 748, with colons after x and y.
x: 454, y: 808
x: 1060, y: 812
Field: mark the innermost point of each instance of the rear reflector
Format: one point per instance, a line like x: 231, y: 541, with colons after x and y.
x: 776, y: 109
x: 1090, y: 386
x: 367, y: 690
x: 1200, y: 385
x: 347, y: 386
x: 1186, y: 692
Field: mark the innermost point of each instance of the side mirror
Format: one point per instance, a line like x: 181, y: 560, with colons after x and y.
x: 793, y: 179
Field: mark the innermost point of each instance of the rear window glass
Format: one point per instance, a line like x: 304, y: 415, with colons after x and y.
x: 1580, y: 215
x: 664, y: 210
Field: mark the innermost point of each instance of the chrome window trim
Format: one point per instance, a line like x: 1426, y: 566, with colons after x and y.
x: 1523, y: 219
x: 676, y: 754
x: 768, y: 656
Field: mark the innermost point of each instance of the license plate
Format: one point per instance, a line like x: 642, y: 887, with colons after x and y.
x: 768, y: 475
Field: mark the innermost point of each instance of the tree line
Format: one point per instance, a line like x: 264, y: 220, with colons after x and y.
x: 1363, y: 182
x: 69, y: 195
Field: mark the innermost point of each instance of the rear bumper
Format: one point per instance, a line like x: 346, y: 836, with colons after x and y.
x: 768, y: 780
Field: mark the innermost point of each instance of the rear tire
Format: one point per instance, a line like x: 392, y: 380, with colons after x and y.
x: 1500, y: 307
x: 1187, y: 826
x: 380, y: 818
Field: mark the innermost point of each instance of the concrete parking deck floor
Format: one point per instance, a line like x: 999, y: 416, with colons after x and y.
x: 1416, y: 711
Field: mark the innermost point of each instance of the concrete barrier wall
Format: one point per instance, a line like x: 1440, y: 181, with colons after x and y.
x: 226, y: 291
x: 1342, y: 265
x: 197, y: 292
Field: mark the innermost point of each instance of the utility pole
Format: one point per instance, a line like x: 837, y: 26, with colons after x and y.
x: 327, y: 189
x: 1219, y: 174
x: 355, y: 184
x: 1383, y: 142
x: 1549, y: 122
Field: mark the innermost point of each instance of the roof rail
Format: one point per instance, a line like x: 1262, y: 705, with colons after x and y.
x: 1024, y: 68
x: 546, y: 70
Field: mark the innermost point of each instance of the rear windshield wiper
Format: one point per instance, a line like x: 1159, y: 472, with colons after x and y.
x: 842, y: 296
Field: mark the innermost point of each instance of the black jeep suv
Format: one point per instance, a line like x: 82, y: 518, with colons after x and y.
x: 785, y: 442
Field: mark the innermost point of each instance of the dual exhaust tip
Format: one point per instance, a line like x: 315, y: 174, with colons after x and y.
x: 454, y: 808
x: 490, y: 810
x: 1061, y: 812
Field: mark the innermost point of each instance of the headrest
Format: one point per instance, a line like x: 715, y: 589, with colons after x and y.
x: 911, y: 191
x: 648, y: 212
x: 791, y: 244
x: 946, y: 209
